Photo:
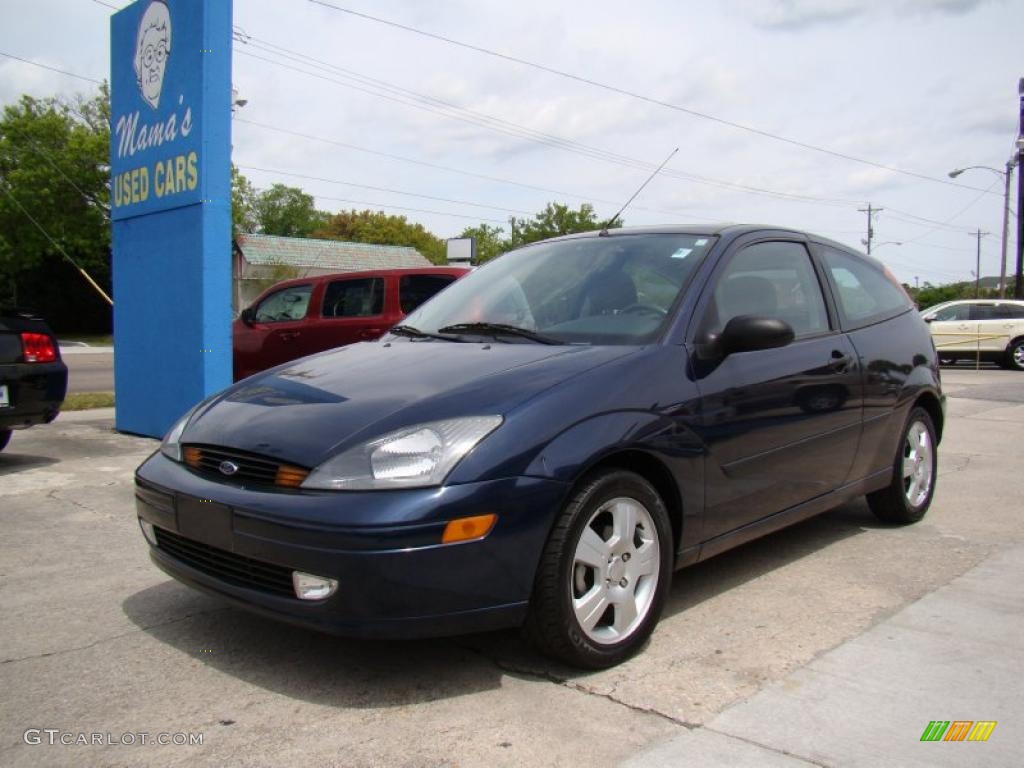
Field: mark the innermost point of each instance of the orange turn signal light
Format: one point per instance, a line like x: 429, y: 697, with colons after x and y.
x: 290, y: 477
x: 468, y: 528
x: 192, y: 456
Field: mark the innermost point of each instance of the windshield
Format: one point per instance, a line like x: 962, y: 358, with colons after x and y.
x: 618, y: 289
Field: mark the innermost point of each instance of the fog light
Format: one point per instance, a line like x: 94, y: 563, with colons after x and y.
x: 148, y: 531
x: 310, y: 587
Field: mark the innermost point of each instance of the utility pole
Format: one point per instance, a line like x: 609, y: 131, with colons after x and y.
x: 871, y: 232
x: 1018, y: 285
x: 977, y: 268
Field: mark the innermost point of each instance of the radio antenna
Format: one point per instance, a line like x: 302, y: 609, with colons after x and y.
x: 604, y: 229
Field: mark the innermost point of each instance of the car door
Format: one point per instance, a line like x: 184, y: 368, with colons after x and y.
x: 353, y: 309
x: 780, y: 425
x: 953, y: 330
x: 994, y: 326
x: 276, y: 325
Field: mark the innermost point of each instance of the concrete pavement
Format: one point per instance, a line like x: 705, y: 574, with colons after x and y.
x: 771, y: 653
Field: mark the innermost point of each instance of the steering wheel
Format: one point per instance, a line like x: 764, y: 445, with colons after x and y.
x: 639, y: 308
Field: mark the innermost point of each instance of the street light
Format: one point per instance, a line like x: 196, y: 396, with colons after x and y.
x: 1007, y: 176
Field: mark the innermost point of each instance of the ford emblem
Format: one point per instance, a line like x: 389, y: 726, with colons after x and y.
x: 228, y: 468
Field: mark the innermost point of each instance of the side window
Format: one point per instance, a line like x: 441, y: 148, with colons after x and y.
x: 864, y: 292
x: 956, y: 312
x: 771, y: 280
x: 413, y: 290
x: 1001, y: 312
x: 361, y: 297
x: 287, y: 304
x: 985, y: 312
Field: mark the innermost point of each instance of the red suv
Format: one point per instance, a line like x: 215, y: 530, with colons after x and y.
x: 299, y: 317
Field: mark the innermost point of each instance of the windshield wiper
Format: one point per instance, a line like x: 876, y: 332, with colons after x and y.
x: 416, y: 333
x: 498, y: 329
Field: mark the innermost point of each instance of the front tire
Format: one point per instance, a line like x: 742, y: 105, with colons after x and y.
x: 604, y: 573
x: 915, y: 468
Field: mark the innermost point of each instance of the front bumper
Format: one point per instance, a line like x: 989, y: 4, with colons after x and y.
x: 35, y: 392
x: 383, y: 547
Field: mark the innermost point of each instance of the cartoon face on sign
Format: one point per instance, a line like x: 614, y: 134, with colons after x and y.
x: 152, y: 47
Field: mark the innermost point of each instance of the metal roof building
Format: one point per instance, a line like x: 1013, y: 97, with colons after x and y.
x: 262, y: 260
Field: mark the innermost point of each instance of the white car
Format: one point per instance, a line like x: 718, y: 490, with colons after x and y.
x: 989, y: 329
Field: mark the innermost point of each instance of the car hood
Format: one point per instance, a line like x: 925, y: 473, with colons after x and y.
x: 309, y: 409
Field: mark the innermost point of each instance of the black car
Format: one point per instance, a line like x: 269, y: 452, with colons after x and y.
x: 543, y: 443
x: 33, y: 378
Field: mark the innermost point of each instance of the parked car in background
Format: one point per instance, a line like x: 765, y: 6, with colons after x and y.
x: 33, y: 378
x: 986, y: 329
x: 546, y: 441
x: 299, y: 317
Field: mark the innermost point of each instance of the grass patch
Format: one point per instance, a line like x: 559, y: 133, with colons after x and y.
x: 83, y: 401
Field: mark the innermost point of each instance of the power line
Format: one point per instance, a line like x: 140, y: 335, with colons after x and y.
x: 639, y: 96
x: 459, y: 171
x: 438, y: 106
x: 109, y: 5
x: 57, y: 245
x: 382, y: 189
x: 52, y: 69
x: 400, y: 208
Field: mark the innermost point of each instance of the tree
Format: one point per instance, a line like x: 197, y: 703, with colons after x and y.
x: 556, y: 219
x: 287, y: 211
x: 54, y: 168
x: 929, y: 295
x: 243, y: 203
x: 489, y: 241
x: 383, y: 229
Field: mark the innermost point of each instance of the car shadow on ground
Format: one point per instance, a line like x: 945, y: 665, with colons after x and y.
x: 11, y: 462
x: 342, y: 672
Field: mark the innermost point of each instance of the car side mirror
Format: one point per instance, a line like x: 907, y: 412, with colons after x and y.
x: 247, y: 316
x: 929, y: 319
x: 747, y: 333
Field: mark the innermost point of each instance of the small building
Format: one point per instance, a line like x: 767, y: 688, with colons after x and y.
x: 259, y: 261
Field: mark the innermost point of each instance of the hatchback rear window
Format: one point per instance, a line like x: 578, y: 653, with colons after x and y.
x: 864, y: 292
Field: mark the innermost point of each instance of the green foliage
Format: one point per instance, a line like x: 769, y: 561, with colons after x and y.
x: 280, y: 210
x: 929, y: 295
x: 556, y: 219
x: 383, y: 229
x: 489, y: 242
x: 54, y: 168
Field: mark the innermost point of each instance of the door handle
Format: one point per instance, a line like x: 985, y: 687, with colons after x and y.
x: 371, y: 333
x: 839, y: 362
x: 287, y: 335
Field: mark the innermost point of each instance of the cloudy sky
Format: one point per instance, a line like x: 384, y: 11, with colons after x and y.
x: 364, y: 114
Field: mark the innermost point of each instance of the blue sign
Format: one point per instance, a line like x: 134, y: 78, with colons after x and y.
x: 170, y: 150
x: 156, y: 79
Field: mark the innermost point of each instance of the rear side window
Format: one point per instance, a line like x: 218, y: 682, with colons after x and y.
x: 413, y: 290
x: 864, y: 292
x: 996, y: 312
x: 287, y: 304
x: 361, y: 297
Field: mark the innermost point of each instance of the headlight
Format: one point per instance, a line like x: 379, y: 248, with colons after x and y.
x: 414, y: 457
x: 170, y: 446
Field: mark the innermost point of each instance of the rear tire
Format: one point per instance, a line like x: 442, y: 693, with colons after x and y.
x: 604, y: 573
x: 5, y: 436
x: 914, y: 474
x: 1015, y: 355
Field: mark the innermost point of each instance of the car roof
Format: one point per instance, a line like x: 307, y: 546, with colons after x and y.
x: 399, y: 271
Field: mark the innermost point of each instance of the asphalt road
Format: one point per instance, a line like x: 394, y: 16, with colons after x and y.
x: 833, y: 642
x: 89, y: 371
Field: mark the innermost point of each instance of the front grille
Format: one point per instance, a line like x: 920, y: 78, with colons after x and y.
x: 252, y: 468
x: 227, y: 566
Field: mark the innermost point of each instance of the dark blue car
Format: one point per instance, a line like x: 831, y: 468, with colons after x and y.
x: 547, y: 440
